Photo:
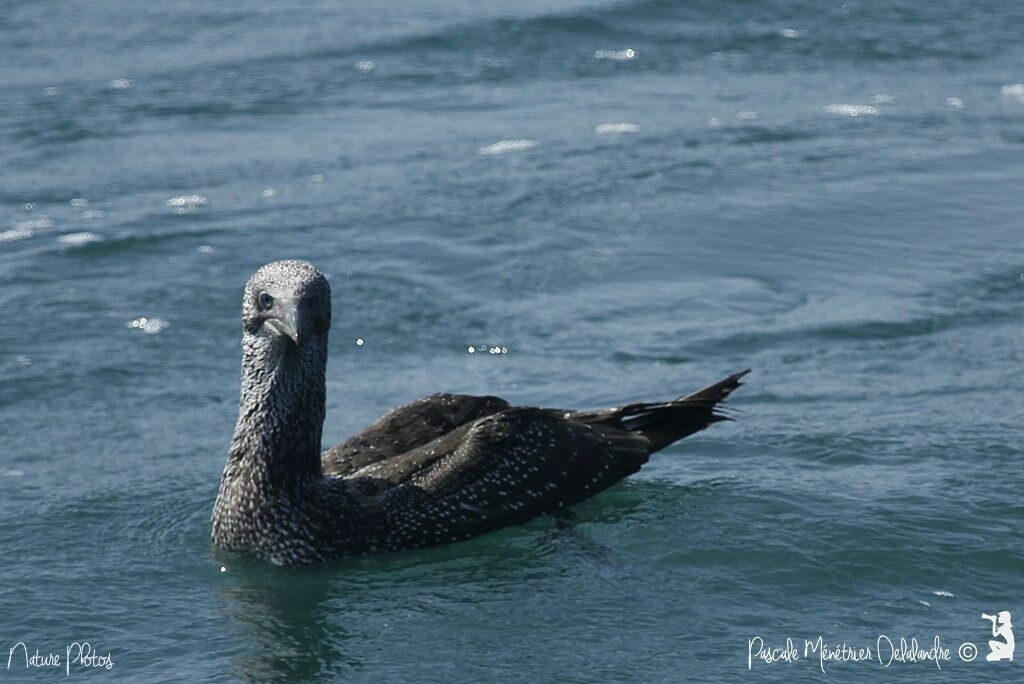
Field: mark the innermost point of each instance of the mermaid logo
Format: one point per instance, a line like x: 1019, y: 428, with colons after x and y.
x: 1001, y: 627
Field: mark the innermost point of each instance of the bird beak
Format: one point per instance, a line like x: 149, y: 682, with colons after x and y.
x: 289, y: 320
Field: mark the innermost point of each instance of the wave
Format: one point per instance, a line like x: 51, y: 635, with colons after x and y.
x: 654, y: 35
x: 991, y: 298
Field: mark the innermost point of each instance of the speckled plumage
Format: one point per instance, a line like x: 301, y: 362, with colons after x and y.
x: 440, y: 469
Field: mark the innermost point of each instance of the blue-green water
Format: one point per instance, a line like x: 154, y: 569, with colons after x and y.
x: 830, y: 194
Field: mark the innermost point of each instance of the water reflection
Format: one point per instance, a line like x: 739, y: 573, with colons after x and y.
x: 286, y: 622
x: 336, y: 620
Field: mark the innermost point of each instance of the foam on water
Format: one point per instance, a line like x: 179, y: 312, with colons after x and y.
x: 37, y: 224
x: 853, y: 110
x: 1014, y: 91
x: 505, y: 146
x: 616, y: 128
x: 77, y: 239
x: 624, y: 55
x: 17, y: 233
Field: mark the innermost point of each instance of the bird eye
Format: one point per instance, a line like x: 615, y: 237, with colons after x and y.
x: 265, y: 300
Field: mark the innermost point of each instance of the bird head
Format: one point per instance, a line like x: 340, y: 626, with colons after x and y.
x: 287, y: 301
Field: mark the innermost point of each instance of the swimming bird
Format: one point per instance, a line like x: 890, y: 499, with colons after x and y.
x: 441, y: 469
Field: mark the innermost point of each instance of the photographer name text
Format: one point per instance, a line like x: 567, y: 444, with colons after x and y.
x: 886, y: 651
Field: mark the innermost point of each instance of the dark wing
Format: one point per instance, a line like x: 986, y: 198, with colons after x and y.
x: 503, y: 469
x: 407, y: 427
x: 513, y: 464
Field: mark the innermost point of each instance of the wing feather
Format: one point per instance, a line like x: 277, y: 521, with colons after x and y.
x: 505, y: 469
x: 405, y: 428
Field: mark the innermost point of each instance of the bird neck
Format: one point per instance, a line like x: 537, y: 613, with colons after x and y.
x: 281, y: 412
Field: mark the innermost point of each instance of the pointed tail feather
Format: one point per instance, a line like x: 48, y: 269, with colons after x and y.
x: 718, y: 391
x: 663, y: 423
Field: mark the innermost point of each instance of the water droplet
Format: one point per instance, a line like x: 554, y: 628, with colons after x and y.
x: 471, y: 350
x: 188, y: 201
x: 150, y: 326
x: 359, y: 342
